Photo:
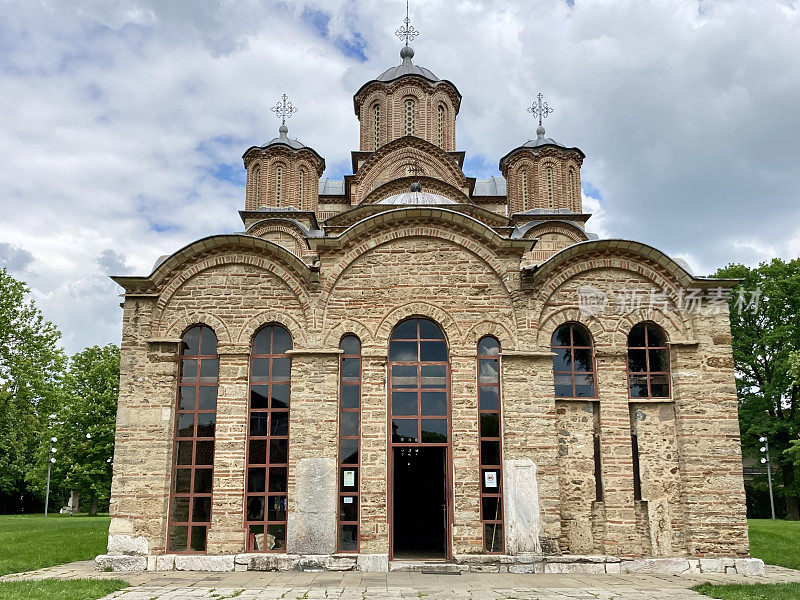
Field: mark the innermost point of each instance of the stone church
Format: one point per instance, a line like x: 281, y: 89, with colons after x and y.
x: 412, y: 367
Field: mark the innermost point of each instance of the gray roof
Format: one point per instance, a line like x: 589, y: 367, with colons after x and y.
x: 285, y: 140
x: 494, y: 186
x: 417, y: 198
x: 331, y: 188
x: 406, y: 68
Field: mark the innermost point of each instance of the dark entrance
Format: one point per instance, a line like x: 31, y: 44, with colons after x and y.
x: 419, y: 446
x: 420, y: 506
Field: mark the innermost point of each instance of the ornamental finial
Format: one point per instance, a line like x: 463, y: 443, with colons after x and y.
x: 284, y: 109
x: 407, y: 33
x: 541, y: 110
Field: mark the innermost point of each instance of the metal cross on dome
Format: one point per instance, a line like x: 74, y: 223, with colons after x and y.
x: 407, y: 33
x: 539, y: 109
x: 284, y: 109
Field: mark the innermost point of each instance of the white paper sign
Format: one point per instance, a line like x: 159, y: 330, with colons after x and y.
x: 348, y: 499
x: 490, y: 479
x: 349, y: 478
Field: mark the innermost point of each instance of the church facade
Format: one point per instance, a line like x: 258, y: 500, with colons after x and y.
x: 412, y: 365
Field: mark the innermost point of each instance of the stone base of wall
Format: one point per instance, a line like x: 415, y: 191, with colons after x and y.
x: 523, y: 563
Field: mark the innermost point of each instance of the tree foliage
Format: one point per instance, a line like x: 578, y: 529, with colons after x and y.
x: 765, y: 342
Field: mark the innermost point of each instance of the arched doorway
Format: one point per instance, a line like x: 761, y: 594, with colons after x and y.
x: 420, y: 442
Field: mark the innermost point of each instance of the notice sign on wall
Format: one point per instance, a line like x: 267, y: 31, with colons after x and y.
x: 347, y: 499
x: 349, y: 478
x: 490, y: 479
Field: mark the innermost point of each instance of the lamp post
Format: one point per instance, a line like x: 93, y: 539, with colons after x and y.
x: 50, y: 460
x: 765, y: 460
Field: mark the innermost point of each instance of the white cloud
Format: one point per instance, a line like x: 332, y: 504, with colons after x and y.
x: 124, y: 122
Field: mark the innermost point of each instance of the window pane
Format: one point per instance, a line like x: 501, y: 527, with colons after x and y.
x: 256, y: 537
x: 208, y: 398
x: 185, y: 453
x: 348, y: 451
x: 583, y: 359
x: 204, y: 453
x: 638, y: 385
x: 404, y: 430
x: 562, y: 361
x: 280, y: 396
x: 434, y: 431
x: 277, y: 479
x: 488, y: 346
x: 256, y: 479
x: 187, y: 398
x: 659, y: 360
x: 201, y: 510
x: 188, y: 371
x: 492, y: 508
x: 404, y: 403
x: 659, y: 386
x: 258, y: 396
x: 433, y: 351
x: 205, y: 424
x: 348, y: 508
x: 180, y: 510
x: 403, y: 351
x: 580, y: 337
x: 258, y: 424
x: 655, y: 336
x: 563, y: 385
x: 406, y: 330
x: 350, y: 345
x: 490, y: 453
x: 276, y: 537
x: 278, y: 451
x: 350, y: 396
x: 347, y: 476
x: 183, y: 479
x: 255, y: 508
x: 489, y: 399
x: 347, y: 538
x: 186, y: 425
x: 351, y: 369
x: 636, y: 360
x: 199, y: 538
x: 493, y: 537
x: 276, y: 508
x: 178, y: 538
x: 490, y: 425
x: 404, y: 376
x: 349, y: 424
x: 209, y: 368
x: 208, y: 344
x: 561, y: 336
x: 487, y: 370
x: 434, y: 403
x: 280, y: 369
x: 490, y: 481
x: 191, y: 342
x: 279, y: 424
x: 261, y: 341
x: 259, y: 370
x: 202, y: 481
x: 258, y: 452
x: 281, y: 340
x: 433, y: 376
x: 429, y: 330
x: 636, y: 336
x: 584, y: 386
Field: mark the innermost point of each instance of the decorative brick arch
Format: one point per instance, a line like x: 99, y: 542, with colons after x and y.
x: 178, y: 327
x: 571, y: 232
x: 348, y: 325
x: 675, y: 328
x: 403, y: 184
x: 494, y: 329
x: 253, y: 324
x: 441, y: 317
x: 556, y: 318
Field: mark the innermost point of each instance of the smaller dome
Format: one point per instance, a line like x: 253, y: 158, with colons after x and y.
x: 284, y: 139
x: 424, y: 198
x: 406, y: 68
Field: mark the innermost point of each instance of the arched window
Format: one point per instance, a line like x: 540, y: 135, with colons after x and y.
x: 573, y: 363
x: 349, y: 441
x: 302, y: 186
x: 440, y: 125
x: 409, y: 122
x: 376, y: 124
x: 278, y: 185
x: 571, y: 189
x: 648, y: 362
x: 524, y: 189
x: 257, y: 185
x: 268, y: 440
x: 193, y: 455
x: 549, y: 173
x: 490, y: 433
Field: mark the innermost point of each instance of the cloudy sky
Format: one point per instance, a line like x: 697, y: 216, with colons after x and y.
x: 122, y: 123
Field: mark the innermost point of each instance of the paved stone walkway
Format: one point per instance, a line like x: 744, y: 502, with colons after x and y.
x: 253, y: 585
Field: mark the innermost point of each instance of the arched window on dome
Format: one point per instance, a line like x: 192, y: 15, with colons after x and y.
x: 549, y: 175
x: 349, y: 442
x: 571, y: 189
x: 524, y: 189
x: 278, y: 185
x: 440, y: 126
x: 302, y: 189
x: 376, y: 124
x: 490, y: 435
x: 193, y: 455
x: 648, y: 362
x: 574, y: 372
x: 410, y: 117
x: 257, y: 185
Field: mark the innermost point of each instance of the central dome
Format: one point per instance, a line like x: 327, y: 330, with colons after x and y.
x: 417, y: 198
x: 406, y: 68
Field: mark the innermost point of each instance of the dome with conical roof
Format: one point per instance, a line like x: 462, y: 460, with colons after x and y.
x: 406, y: 68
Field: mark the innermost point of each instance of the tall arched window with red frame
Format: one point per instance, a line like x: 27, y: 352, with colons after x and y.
x: 193, y: 455
x: 648, y: 362
x: 490, y: 434
x: 574, y: 374
x: 349, y: 442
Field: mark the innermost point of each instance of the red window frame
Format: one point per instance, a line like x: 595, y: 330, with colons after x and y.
x: 572, y: 372
x: 648, y: 349
x: 489, y: 389
x: 198, y: 472
x: 349, y: 394
x: 275, y: 445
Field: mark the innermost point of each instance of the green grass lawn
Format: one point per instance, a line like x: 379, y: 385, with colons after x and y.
x: 775, y: 542
x: 757, y: 591
x: 51, y: 589
x: 29, y: 542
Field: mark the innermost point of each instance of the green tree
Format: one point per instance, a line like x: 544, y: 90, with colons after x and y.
x: 764, y: 340
x: 85, y: 424
x: 31, y: 365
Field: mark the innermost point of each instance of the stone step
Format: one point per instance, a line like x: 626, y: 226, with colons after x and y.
x: 432, y: 567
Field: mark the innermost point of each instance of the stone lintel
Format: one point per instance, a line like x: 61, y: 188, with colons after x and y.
x: 164, y: 340
x: 612, y: 352
x: 531, y: 354
x: 318, y: 351
x: 684, y: 344
x: 233, y: 349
